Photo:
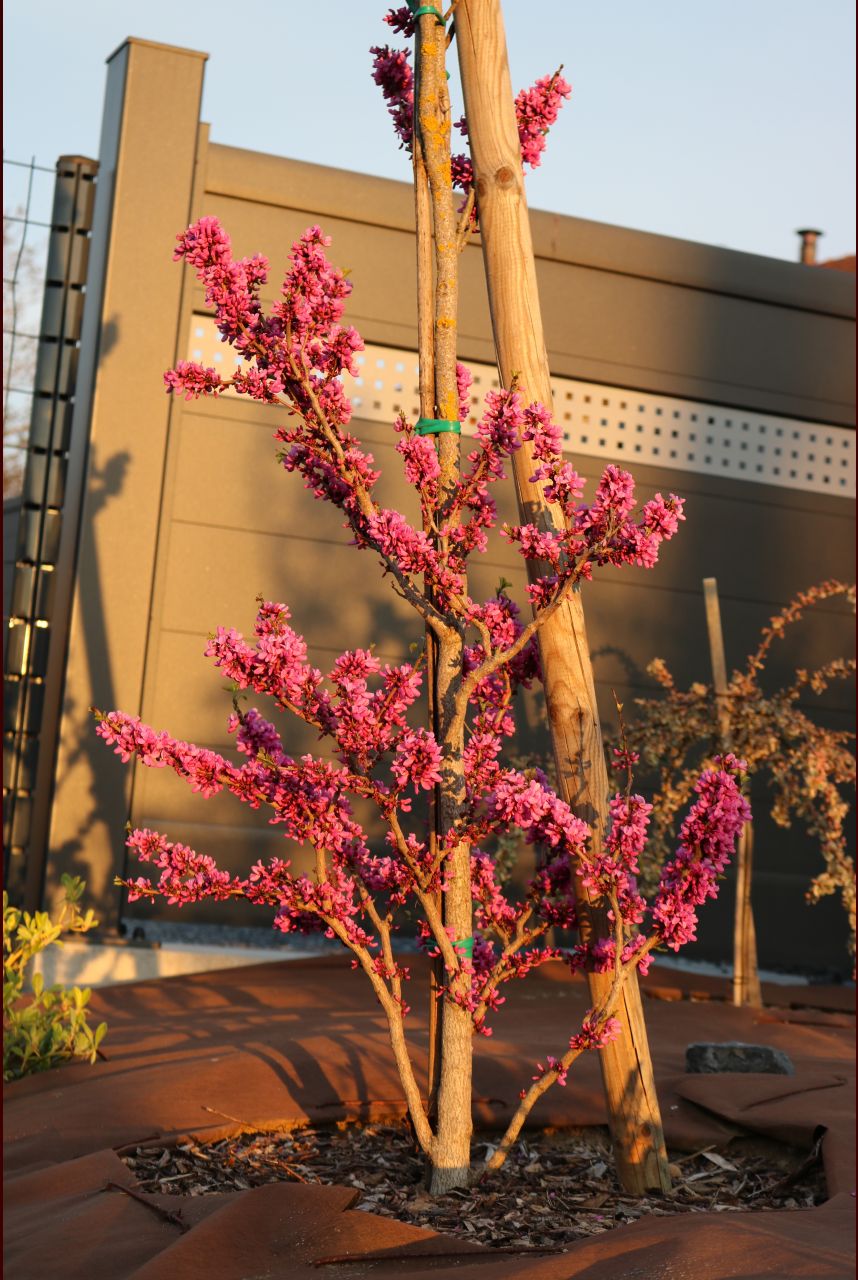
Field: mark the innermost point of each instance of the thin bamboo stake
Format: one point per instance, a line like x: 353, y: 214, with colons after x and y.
x: 746, y: 976
x: 635, y: 1121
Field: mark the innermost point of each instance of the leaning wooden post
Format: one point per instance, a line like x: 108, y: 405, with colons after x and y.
x: 426, y: 375
x: 746, y: 977
x: 633, y: 1111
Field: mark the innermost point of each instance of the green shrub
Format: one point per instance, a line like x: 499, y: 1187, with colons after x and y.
x: 51, y: 1026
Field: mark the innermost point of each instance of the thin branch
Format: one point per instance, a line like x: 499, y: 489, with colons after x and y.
x: 466, y: 226
x: 599, y: 1017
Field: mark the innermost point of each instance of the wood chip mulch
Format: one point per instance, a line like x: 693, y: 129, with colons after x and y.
x: 555, y: 1187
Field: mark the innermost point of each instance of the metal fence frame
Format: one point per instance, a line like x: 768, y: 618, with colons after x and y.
x: 33, y: 624
x: 11, y: 286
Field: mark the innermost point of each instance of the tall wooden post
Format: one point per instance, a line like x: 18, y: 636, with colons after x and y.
x: 746, y: 977
x: 627, y: 1076
x: 426, y: 373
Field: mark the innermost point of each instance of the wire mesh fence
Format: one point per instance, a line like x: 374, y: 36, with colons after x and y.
x: 28, y: 195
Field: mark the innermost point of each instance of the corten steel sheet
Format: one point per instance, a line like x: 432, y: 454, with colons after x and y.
x: 274, y: 1045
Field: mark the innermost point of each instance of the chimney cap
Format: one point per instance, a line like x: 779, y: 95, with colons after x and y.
x: 807, y: 252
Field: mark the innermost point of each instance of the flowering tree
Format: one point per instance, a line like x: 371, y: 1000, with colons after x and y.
x: 806, y: 765
x: 295, y: 356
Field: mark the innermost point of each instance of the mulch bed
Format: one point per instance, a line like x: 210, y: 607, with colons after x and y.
x: 555, y: 1188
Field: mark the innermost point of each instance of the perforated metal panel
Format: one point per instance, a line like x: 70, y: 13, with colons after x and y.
x: 616, y: 424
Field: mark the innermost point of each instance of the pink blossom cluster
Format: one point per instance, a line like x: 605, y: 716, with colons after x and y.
x: 364, y: 722
x: 492, y: 718
x: 612, y: 873
x: 536, y: 110
x: 595, y: 1033
x: 486, y: 970
x: 231, y: 287
x: 254, y: 735
x: 529, y: 804
x: 707, y: 838
x: 624, y: 760
x: 417, y: 760
x: 551, y: 1064
x: 401, y: 20
x: 391, y: 71
x: 309, y: 797
x: 300, y: 350
x: 194, y: 380
x: 464, y: 380
x: 502, y: 800
x: 186, y: 876
x: 603, y: 532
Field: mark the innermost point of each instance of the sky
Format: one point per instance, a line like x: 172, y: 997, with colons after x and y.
x: 730, y: 122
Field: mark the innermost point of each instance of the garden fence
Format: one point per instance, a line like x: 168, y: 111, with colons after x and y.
x: 40, y: 363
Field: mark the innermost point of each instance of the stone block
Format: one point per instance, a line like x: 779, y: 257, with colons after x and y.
x: 735, y: 1056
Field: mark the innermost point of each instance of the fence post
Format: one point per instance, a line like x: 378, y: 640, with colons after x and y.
x: 746, y: 977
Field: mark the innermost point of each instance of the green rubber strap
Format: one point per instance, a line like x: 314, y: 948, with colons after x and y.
x: 437, y: 427
x: 465, y: 947
x: 418, y: 10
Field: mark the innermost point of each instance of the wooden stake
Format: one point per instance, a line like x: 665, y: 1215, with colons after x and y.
x: 426, y: 358
x: 746, y: 976
x: 633, y: 1111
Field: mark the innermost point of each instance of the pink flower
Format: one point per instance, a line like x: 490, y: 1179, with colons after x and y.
x: 536, y: 110
x: 500, y: 427
x: 707, y: 839
x: 391, y: 70
x: 417, y: 760
x: 595, y: 1036
x: 464, y: 379
x: 194, y: 380
x: 421, y: 461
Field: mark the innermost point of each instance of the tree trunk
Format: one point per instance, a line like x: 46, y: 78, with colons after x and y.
x: 426, y: 367
x: 453, y: 1040
x: 634, y: 1117
x: 452, y: 1149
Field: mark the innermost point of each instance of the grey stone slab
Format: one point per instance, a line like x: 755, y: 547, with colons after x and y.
x: 735, y: 1056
